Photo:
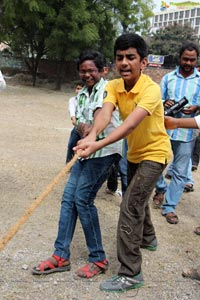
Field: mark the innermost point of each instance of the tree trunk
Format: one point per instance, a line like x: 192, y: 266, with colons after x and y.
x: 59, y: 75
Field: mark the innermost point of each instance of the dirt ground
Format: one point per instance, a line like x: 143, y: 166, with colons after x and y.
x: 34, y: 129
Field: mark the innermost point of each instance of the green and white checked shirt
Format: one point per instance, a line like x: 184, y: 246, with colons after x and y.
x: 86, y: 106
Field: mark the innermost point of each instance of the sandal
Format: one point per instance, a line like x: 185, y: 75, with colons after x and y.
x: 197, y: 230
x: 171, y: 218
x: 188, y: 188
x: 158, y: 199
x: 92, y: 269
x: 192, y: 273
x: 52, y: 265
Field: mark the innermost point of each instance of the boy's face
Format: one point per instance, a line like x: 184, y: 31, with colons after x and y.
x: 129, y: 65
x: 78, y: 88
x: 89, y: 73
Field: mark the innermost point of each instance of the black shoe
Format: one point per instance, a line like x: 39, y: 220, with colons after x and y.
x: 188, y: 188
x: 194, y: 168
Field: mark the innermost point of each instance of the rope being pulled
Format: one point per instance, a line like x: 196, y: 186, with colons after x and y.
x: 14, y: 229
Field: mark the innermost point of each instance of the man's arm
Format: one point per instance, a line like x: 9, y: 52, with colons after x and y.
x: 172, y: 123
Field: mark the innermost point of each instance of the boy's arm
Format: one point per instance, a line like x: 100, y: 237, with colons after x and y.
x: 131, y: 122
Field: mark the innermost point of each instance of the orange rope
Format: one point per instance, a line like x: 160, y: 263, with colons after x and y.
x: 14, y: 229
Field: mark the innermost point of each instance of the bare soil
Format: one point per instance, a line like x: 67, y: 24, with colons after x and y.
x: 34, y: 129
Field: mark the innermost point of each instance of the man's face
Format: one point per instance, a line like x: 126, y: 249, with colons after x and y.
x: 89, y: 73
x: 187, y: 62
x: 129, y: 65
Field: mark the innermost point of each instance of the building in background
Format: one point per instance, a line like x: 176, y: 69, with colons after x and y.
x: 178, y: 13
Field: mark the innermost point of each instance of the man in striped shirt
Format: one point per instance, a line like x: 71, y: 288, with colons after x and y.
x: 182, y: 82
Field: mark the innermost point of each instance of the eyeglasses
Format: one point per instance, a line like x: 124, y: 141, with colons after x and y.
x: 90, y: 71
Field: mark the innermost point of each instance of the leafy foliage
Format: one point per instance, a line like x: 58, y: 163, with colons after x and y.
x: 134, y: 15
x: 167, y: 41
x: 60, y: 29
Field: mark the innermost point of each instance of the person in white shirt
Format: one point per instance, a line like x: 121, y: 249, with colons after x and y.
x: 172, y: 123
x: 74, y: 135
x: 2, y: 82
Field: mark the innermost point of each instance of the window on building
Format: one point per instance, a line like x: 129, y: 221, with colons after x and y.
x: 166, y: 17
x: 171, y: 16
x: 181, y: 14
x: 180, y: 22
x: 161, y: 18
x: 192, y: 21
x: 197, y: 21
x: 176, y: 15
x: 193, y: 12
x: 187, y: 14
x: 198, y: 12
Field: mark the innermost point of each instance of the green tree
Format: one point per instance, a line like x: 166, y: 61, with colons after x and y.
x: 73, y: 31
x: 60, y: 29
x: 24, y: 26
x: 167, y: 41
x: 134, y: 15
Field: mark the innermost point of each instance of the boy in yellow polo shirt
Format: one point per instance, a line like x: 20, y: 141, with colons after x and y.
x: 139, y: 101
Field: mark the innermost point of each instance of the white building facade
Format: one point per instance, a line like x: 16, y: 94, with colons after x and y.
x: 181, y: 16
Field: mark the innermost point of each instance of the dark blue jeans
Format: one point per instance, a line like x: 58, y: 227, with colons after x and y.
x: 86, y: 178
x: 73, y: 139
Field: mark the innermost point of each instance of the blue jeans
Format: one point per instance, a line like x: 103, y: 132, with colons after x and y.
x: 182, y: 153
x: 196, y: 152
x: 73, y: 139
x: 189, y: 179
x: 123, y: 166
x: 86, y: 178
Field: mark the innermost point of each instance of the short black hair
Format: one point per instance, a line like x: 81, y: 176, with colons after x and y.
x: 79, y: 82
x: 96, y: 56
x: 189, y: 46
x: 132, y: 40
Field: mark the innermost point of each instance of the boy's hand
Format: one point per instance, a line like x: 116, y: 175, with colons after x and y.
x: 85, y: 149
x: 73, y: 120
x: 84, y: 129
x: 86, y: 146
